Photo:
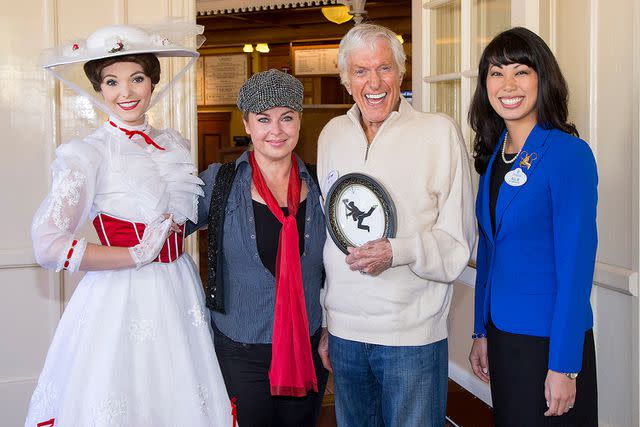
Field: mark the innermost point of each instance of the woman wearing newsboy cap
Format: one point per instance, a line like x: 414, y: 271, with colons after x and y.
x: 266, y: 236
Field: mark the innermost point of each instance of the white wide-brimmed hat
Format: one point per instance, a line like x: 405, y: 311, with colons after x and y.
x: 118, y: 40
x: 172, y: 38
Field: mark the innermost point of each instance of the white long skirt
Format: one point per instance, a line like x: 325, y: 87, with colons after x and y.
x: 133, y: 349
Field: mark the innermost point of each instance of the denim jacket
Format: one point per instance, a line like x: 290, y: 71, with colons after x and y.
x: 249, y: 286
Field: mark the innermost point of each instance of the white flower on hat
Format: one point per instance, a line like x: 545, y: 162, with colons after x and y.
x: 160, y: 40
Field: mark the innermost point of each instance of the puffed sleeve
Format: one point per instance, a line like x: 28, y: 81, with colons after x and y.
x: 574, y: 199
x: 442, y: 252
x: 66, y: 207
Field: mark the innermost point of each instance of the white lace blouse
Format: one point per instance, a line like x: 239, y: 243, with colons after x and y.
x: 108, y: 172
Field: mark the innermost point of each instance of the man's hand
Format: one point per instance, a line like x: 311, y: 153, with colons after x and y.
x: 560, y: 393
x: 323, y: 350
x: 372, y: 258
x: 479, y: 359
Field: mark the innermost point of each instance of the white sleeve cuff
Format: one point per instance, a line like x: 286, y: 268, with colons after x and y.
x: 402, y: 249
x: 71, y: 262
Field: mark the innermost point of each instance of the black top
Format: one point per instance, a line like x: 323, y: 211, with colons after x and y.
x: 498, y: 171
x: 268, y: 232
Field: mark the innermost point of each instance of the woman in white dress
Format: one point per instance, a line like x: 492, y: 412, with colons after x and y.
x: 134, y: 347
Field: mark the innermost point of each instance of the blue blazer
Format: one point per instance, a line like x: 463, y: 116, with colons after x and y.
x: 535, y: 270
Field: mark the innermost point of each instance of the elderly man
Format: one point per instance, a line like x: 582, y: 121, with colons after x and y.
x: 387, y: 302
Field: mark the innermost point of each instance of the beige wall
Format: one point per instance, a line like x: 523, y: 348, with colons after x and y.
x: 35, y: 116
x: 599, y: 54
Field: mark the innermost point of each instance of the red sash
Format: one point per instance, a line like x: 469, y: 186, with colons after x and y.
x: 114, y: 231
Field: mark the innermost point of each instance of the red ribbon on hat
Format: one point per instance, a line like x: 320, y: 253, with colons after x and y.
x: 131, y: 133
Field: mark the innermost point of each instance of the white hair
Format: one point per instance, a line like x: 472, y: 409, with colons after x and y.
x: 366, y: 35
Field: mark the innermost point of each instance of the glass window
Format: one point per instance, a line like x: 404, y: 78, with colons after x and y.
x: 458, y: 31
x: 445, y: 98
x: 488, y: 18
x: 445, y: 39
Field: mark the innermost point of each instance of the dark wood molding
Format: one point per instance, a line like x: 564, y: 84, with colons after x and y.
x: 287, y: 25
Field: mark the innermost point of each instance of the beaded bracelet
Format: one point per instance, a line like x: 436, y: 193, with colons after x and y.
x: 478, y: 336
x: 69, y: 254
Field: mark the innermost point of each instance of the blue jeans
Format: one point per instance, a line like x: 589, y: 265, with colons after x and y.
x: 377, y: 385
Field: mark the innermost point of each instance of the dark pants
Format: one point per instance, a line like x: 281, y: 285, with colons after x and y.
x: 518, y: 366
x: 245, y: 368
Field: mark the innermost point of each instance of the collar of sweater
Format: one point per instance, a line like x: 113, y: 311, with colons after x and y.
x: 403, y: 109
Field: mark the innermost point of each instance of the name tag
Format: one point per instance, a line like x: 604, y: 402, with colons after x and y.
x: 332, y: 177
x: 515, y: 178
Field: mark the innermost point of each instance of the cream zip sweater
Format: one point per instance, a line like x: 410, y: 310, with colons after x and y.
x: 421, y: 161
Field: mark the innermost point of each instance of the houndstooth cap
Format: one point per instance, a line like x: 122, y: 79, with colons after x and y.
x: 269, y: 89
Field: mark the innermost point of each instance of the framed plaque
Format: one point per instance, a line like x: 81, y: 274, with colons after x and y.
x: 200, y: 81
x: 315, y: 60
x: 358, y: 209
x: 223, y: 76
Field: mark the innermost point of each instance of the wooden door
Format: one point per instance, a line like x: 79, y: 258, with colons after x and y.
x: 213, y: 140
x: 213, y: 136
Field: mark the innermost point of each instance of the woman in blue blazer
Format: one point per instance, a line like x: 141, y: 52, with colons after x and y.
x: 536, y: 211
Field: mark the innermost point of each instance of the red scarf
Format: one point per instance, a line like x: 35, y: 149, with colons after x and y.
x: 292, y: 372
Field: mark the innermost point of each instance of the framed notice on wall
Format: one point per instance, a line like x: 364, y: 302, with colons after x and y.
x: 315, y: 60
x: 222, y: 77
x: 200, y: 81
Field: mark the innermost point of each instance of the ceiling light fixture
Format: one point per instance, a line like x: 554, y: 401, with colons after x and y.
x: 356, y: 9
x: 247, y: 48
x: 262, y: 47
x: 337, y: 14
x: 400, y: 39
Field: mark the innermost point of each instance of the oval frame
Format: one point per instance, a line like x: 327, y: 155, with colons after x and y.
x: 338, y: 187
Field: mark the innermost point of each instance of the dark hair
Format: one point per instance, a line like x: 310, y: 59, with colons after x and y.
x: 522, y: 46
x: 148, y: 61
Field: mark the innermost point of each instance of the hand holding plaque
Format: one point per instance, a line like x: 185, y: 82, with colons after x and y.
x: 373, y: 258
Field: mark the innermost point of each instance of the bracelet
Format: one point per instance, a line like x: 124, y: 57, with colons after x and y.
x: 570, y: 375
x: 478, y: 336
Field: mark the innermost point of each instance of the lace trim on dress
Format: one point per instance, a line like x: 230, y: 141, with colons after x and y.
x: 110, y: 413
x: 197, y: 315
x: 141, y: 330
x: 65, y: 191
